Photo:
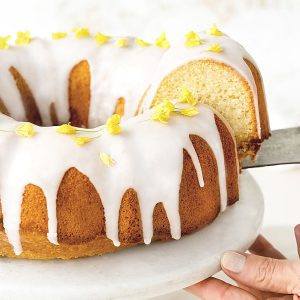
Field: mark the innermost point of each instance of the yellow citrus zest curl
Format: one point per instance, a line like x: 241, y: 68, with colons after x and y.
x: 4, y: 41
x: 192, y: 39
x: 215, y: 48
x: 81, y: 32
x: 59, y: 35
x: 101, y: 39
x: 187, y: 97
x: 141, y: 43
x: 215, y: 31
x: 122, y: 42
x: 162, y: 111
x: 113, y: 124
x: 66, y: 129
x: 162, y: 41
x: 25, y: 130
x: 106, y: 159
x: 23, y: 38
x: 82, y: 140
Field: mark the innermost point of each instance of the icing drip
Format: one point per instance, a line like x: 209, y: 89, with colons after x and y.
x: 148, y: 158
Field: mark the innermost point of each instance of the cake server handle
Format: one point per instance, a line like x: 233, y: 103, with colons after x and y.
x: 282, y: 148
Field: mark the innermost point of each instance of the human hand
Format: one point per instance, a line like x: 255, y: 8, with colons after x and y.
x: 263, y: 274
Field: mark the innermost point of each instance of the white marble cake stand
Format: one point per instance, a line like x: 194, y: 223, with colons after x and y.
x: 143, y: 271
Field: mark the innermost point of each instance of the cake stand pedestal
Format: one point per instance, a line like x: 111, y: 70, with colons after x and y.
x: 143, y: 271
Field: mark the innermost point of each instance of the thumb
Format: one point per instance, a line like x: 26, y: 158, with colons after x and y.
x: 263, y: 273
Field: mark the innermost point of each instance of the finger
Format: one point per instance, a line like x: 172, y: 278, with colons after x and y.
x: 259, y: 294
x: 297, y: 235
x: 264, y: 248
x: 263, y: 273
x: 287, y: 297
x: 215, y: 289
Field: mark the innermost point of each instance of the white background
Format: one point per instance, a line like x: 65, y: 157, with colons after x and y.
x: 269, y: 29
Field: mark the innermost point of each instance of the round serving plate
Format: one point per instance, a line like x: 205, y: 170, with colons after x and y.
x: 142, y: 271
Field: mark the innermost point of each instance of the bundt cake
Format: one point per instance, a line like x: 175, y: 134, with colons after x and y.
x: 97, y: 185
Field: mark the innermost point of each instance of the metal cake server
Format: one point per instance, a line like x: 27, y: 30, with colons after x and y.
x: 282, y: 148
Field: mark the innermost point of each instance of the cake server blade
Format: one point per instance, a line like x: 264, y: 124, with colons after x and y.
x: 282, y: 148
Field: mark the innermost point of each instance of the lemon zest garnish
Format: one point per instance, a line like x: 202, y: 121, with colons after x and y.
x: 4, y: 42
x: 122, y: 42
x: 59, y: 35
x: 163, y: 111
x: 215, y: 31
x: 106, y: 159
x: 215, y: 48
x: 82, y: 140
x: 23, y: 38
x: 25, y: 130
x: 141, y: 42
x: 101, y: 39
x: 192, y: 39
x: 66, y: 129
x: 113, y: 124
x: 187, y: 97
x: 162, y: 41
x: 81, y: 32
x: 189, y: 111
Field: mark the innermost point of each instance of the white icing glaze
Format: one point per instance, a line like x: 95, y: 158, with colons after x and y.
x: 115, y: 72
x: 46, y: 65
x: 148, y: 155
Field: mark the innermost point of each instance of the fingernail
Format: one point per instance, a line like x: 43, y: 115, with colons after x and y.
x: 233, y: 261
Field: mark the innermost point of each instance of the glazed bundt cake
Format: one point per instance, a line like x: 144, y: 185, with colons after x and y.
x: 83, y: 188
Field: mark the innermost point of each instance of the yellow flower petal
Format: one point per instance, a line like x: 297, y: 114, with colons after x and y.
x: 215, y: 48
x: 25, y: 130
x: 81, y: 32
x: 141, y: 42
x: 101, y: 39
x: 168, y: 106
x: 189, y: 111
x: 113, y: 124
x: 4, y: 42
x: 162, y: 41
x: 106, y: 159
x: 160, y: 116
x: 59, y: 35
x: 115, y: 119
x: 66, y: 129
x: 23, y: 38
x: 122, y: 42
x: 116, y: 129
x: 82, y: 140
x: 187, y: 97
x: 192, y: 39
x: 215, y: 31
x: 163, y: 111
